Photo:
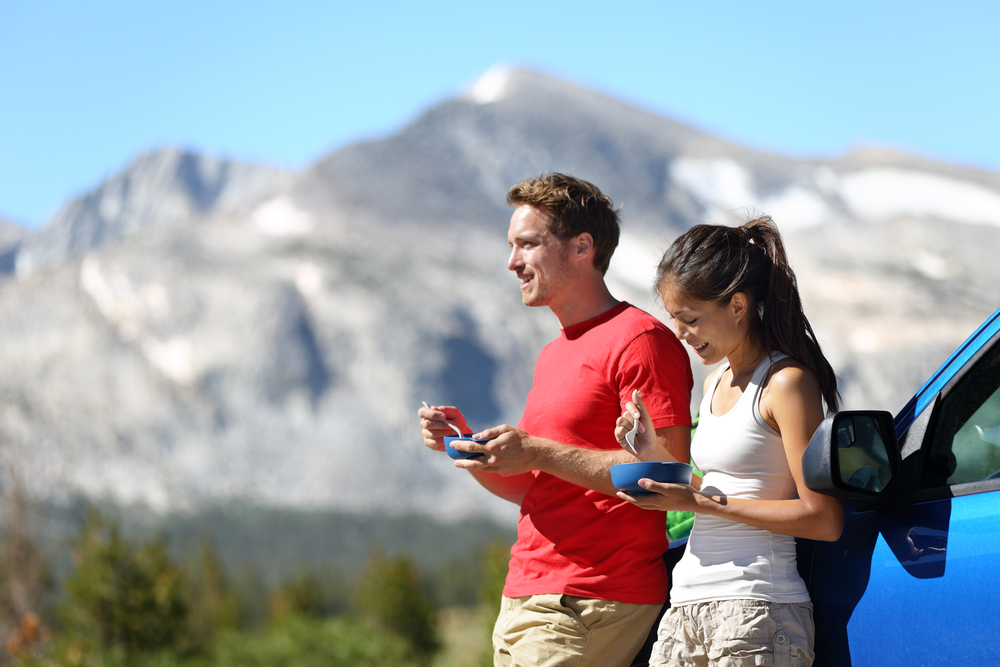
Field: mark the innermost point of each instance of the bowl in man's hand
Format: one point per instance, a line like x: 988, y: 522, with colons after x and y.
x: 458, y: 454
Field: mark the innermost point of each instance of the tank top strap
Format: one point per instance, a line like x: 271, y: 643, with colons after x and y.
x: 757, y: 383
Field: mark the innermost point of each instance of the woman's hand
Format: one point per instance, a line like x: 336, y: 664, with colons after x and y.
x: 645, y: 438
x: 664, y: 497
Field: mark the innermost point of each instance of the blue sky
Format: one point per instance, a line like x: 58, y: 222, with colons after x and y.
x: 86, y: 86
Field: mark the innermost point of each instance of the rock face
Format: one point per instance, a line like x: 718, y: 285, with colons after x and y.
x: 197, y: 329
x: 170, y: 186
x: 11, y: 236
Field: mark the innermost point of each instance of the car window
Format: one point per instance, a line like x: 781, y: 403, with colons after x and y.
x: 966, y: 441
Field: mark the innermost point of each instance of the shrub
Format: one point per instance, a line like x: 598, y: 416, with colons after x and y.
x: 312, y: 642
x: 390, y: 593
x: 124, y: 598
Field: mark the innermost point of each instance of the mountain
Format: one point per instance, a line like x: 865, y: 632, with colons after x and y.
x: 196, y: 329
x: 11, y: 236
x: 171, y: 186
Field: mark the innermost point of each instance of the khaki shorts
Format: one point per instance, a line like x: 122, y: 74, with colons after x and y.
x: 736, y: 633
x: 567, y: 631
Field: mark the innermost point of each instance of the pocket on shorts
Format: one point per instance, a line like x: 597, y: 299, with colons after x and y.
x: 671, y: 624
x: 587, y: 612
x: 755, y: 632
x: 746, y: 635
x: 673, y: 640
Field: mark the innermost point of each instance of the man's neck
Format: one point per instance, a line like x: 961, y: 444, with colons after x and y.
x: 586, y: 304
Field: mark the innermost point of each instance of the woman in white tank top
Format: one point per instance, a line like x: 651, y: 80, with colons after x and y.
x: 737, y: 598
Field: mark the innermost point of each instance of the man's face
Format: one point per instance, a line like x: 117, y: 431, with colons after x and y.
x: 539, y: 259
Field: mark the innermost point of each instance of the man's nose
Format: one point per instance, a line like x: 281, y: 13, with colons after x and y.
x: 514, y: 261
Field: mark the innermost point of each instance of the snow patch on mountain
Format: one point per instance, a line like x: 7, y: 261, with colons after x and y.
x: 634, y: 263
x: 725, y: 188
x: 281, y: 217
x: 881, y: 194
x: 491, y: 86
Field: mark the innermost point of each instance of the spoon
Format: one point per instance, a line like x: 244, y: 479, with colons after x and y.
x: 630, y: 437
x: 453, y: 427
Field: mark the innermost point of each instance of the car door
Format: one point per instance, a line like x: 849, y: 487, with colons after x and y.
x: 915, y: 578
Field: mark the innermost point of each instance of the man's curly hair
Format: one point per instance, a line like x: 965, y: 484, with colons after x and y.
x: 573, y: 206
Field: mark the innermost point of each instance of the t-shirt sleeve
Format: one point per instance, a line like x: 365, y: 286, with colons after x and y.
x: 655, y: 363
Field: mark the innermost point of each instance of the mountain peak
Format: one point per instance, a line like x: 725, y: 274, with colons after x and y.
x: 491, y: 86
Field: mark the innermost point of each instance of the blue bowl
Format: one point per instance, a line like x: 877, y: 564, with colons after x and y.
x: 456, y: 454
x: 626, y: 476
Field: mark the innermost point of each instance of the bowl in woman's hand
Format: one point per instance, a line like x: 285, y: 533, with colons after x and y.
x: 625, y: 476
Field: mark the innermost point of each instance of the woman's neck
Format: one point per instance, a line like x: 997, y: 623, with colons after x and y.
x: 745, y: 360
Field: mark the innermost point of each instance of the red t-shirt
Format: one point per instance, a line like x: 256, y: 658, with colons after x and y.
x: 572, y: 540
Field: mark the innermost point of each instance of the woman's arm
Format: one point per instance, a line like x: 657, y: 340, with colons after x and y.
x: 670, y: 443
x: 792, y: 404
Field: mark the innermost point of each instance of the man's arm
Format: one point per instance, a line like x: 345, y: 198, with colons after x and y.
x: 512, y: 488
x: 434, y: 426
x: 512, y: 452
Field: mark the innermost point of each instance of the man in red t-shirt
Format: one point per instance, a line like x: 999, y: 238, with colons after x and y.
x: 586, y: 579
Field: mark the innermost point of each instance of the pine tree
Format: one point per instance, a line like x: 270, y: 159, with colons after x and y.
x: 390, y: 592
x: 122, y: 597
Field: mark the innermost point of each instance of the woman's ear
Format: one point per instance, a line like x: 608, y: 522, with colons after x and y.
x: 738, y: 305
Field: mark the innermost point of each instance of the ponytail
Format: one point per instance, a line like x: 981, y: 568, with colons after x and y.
x: 713, y: 262
x: 783, y: 322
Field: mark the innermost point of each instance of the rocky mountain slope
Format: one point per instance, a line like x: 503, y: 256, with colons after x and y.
x: 197, y: 329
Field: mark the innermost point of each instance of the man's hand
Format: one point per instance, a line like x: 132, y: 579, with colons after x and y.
x: 510, y: 451
x: 434, y: 426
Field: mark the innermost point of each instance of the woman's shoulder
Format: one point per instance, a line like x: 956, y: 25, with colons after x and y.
x: 789, y: 377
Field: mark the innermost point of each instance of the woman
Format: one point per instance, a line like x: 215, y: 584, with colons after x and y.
x: 737, y: 598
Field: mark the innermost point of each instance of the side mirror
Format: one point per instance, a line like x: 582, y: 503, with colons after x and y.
x: 853, y: 455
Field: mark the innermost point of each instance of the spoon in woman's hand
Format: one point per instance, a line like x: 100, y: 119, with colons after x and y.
x: 630, y: 438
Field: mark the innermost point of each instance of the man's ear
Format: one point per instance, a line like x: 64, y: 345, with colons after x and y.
x: 583, y: 245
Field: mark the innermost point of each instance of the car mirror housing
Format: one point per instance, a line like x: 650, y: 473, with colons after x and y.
x: 852, y: 455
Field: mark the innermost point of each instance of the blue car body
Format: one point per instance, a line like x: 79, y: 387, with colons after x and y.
x: 915, y: 578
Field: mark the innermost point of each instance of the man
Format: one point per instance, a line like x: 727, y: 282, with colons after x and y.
x: 586, y: 578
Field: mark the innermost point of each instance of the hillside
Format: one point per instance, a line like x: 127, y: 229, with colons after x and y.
x: 196, y: 330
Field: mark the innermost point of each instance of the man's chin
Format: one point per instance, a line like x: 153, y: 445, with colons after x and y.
x: 532, y: 300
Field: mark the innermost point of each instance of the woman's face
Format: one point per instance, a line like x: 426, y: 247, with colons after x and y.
x: 712, y: 331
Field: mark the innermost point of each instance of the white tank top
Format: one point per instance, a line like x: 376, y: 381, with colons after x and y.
x: 742, y: 457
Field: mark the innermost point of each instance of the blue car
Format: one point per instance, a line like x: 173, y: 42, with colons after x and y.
x: 915, y: 578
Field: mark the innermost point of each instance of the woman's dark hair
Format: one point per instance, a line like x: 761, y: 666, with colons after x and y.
x: 714, y: 262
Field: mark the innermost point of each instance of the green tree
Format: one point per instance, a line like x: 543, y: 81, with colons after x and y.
x: 496, y: 561
x: 123, y: 598
x: 300, y: 595
x: 390, y: 593
x: 210, y: 598
x: 301, y: 641
x: 25, y: 578
x: 252, y: 597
